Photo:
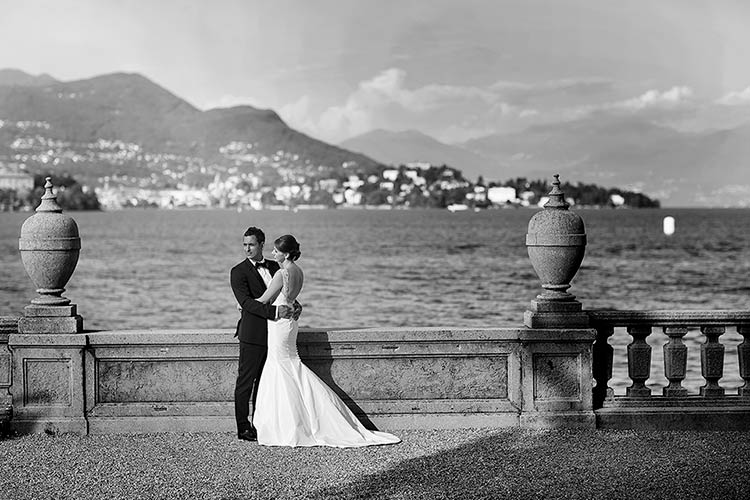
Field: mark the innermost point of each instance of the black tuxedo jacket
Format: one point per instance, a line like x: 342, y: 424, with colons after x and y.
x: 248, y: 285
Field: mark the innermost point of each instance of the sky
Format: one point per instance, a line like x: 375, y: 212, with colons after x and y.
x: 455, y: 70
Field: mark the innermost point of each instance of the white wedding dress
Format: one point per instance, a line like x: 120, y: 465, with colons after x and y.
x: 294, y: 407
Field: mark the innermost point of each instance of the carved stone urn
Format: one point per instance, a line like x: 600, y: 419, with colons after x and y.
x: 556, y: 243
x: 49, y: 246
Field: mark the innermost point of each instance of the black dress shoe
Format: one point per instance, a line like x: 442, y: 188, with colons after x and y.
x: 248, y: 435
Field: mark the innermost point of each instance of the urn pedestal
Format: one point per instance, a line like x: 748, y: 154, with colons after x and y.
x: 556, y: 243
x: 49, y: 247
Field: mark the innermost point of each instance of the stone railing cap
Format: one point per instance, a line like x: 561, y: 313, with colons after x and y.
x: 670, y: 317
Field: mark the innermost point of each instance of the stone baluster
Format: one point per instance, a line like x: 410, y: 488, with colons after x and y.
x: 743, y: 355
x: 712, y: 361
x: 675, y: 360
x: 602, y: 365
x: 639, y: 361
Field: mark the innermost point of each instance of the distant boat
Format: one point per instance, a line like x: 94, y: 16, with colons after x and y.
x: 457, y: 207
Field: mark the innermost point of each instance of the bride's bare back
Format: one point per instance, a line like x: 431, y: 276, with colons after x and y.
x: 293, y: 282
x: 287, y: 281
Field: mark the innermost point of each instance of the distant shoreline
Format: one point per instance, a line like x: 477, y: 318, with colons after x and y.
x: 379, y: 209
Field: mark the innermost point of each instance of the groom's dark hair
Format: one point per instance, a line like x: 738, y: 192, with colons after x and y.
x: 254, y: 231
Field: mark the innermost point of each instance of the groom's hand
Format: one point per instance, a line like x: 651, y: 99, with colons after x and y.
x: 297, y: 311
x: 284, y: 312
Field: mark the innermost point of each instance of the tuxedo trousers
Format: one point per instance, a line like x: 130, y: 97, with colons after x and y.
x: 252, y: 359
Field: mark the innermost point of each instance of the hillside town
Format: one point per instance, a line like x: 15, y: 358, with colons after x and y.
x: 120, y: 174
x: 415, y: 185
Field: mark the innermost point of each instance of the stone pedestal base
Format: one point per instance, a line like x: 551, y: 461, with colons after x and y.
x: 50, y: 319
x: 48, y: 390
x: 556, y: 420
x: 556, y: 378
x: 555, y: 314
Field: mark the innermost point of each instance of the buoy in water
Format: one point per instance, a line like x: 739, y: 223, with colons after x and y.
x: 669, y: 226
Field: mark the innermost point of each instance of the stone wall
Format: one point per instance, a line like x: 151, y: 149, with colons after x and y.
x: 183, y: 381
x: 8, y: 325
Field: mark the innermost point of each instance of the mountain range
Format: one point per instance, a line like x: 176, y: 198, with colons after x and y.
x: 679, y: 168
x: 710, y: 168
x: 131, y: 108
x: 396, y: 148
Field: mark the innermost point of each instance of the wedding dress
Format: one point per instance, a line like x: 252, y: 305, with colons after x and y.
x: 294, y: 407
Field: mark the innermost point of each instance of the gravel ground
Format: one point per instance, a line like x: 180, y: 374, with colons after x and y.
x: 464, y: 464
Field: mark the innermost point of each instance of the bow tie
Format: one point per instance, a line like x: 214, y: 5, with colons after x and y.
x: 260, y: 264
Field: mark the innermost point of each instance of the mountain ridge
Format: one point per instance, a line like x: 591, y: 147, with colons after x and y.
x: 680, y: 168
x: 11, y: 76
x: 406, y: 146
x: 132, y: 108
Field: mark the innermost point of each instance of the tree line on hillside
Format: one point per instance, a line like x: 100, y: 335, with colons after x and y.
x: 71, y: 195
x: 589, y: 195
x: 584, y: 194
x: 460, y: 190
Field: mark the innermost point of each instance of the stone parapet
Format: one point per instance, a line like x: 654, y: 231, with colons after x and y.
x: 421, y: 378
x: 666, y: 317
x: 183, y: 380
x: 160, y: 381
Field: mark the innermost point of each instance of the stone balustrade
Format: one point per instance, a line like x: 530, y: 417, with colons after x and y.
x: 674, y: 407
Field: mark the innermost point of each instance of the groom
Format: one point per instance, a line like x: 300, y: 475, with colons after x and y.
x: 249, y: 280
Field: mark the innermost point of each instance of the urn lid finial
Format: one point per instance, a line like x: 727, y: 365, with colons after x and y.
x: 556, y: 196
x: 49, y: 199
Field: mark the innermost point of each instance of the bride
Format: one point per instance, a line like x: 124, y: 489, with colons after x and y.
x: 294, y: 407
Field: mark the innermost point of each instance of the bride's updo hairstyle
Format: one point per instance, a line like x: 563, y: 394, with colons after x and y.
x: 288, y: 244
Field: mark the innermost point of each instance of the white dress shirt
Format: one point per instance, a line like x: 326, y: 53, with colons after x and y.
x: 263, y: 271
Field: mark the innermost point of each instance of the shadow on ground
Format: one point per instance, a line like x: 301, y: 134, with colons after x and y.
x: 568, y: 464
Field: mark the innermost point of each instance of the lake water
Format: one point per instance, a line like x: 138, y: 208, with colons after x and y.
x: 170, y: 269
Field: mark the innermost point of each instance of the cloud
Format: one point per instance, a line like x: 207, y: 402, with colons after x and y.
x: 739, y: 98
x: 674, y: 97
x: 456, y: 113
x: 522, y: 93
x: 385, y: 101
x: 654, y: 104
x: 389, y: 87
x: 298, y: 113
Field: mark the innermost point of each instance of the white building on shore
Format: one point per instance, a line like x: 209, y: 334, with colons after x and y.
x: 501, y: 195
x: 19, y: 182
